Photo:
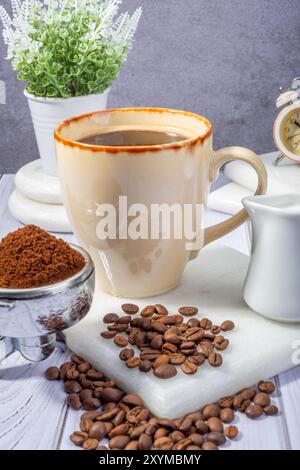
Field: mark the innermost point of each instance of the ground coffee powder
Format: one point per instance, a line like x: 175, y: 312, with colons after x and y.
x: 31, y: 257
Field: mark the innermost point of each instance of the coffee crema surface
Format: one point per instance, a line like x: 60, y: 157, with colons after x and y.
x: 134, y: 138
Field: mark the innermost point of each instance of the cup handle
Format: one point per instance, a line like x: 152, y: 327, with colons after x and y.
x: 219, y: 158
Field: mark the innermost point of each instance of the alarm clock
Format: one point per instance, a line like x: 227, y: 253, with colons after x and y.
x: 286, y: 129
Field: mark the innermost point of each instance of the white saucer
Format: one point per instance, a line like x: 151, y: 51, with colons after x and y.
x: 33, y: 183
x: 51, y: 217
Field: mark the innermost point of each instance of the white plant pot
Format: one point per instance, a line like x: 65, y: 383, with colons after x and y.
x: 46, y: 113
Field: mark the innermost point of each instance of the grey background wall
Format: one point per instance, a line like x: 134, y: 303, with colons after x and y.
x: 224, y: 59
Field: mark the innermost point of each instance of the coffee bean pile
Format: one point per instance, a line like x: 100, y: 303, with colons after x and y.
x: 166, y: 341
x: 127, y: 423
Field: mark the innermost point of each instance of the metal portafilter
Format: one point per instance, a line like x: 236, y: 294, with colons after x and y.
x: 31, y: 318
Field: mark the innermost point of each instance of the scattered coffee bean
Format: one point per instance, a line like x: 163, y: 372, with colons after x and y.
x: 161, y: 309
x: 145, y: 442
x: 262, y: 399
x: 266, y: 387
x: 52, y: 373
x: 209, y: 446
x: 72, y: 386
x: 98, y: 431
x: 216, y: 437
x: 133, y: 362
x: 74, y: 401
x: 215, y: 329
x: 148, y: 311
x: 108, y: 334
x: 91, y: 404
x: 231, y: 432
x: 271, y: 410
x: 78, y: 437
x: 126, y: 354
x: 211, y: 411
x: 205, y: 323
x: 124, y: 320
x: 188, y: 311
x: 165, y: 371
x: 90, y: 444
x: 226, y: 415
x: 189, y: 368
x: 215, y: 424
x: 131, y: 309
x: 145, y: 365
x: 215, y: 359
x: 226, y: 402
x: 120, y: 341
x: 221, y: 343
x: 132, y: 399
x: 227, y: 325
x: 110, y: 318
x: 253, y: 411
x: 201, y: 426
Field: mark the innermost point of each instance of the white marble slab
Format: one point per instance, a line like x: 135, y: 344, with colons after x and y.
x: 259, y: 348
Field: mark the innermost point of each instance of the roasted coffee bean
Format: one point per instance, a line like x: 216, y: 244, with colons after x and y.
x: 97, y: 431
x: 94, y: 375
x: 226, y: 415
x: 110, y: 318
x: 216, y: 437
x: 215, y: 329
x: 131, y: 309
x: 163, y: 443
x: 133, y: 362
x: 91, y: 403
x: 151, y: 426
x: 158, y: 326
x: 176, y: 358
x: 120, y: 341
x: 132, y: 445
x: 90, y: 444
x: 169, y: 348
x: 211, y: 411
x: 72, y: 374
x: 145, y: 365
x: 215, y: 424
x: 78, y: 438
x: 148, y: 311
x: 205, y: 323
x: 124, y: 320
x: 197, y: 439
x: 193, y: 323
x: 161, y: 360
x: 176, y: 436
x: 145, y: 442
x: 172, y: 338
x: 221, y: 343
x: 157, y: 341
x: 231, y: 432
x: 188, y: 311
x: 205, y: 348
x: 108, y: 334
x: 270, y: 410
x: 118, y: 327
x: 111, y: 394
x: 195, y: 416
x: 248, y: 393
x: 137, y: 415
x: 197, y: 359
x: 64, y: 368
x: 168, y: 423
x: 52, y: 373
x: 183, y: 444
x: 85, y: 424
x: 187, y: 345
x: 165, y: 371
x: 76, y: 359
x: 108, y: 415
x: 132, y: 399
x: 71, y: 386
x: 84, y: 382
x: 160, y: 309
x: 120, y: 430
x: 209, y: 446
x: 74, y: 401
x: 262, y: 399
x: 227, y: 325
x: 119, y: 418
x: 253, y: 411
x: 90, y: 415
x: 185, y: 424
x: 194, y: 334
x: 160, y: 432
x: 171, y: 320
x: 135, y: 432
x: 126, y: 354
x: 266, y: 387
x: 226, y: 402
x: 84, y: 367
x: 215, y: 359
x: 238, y: 401
x: 110, y: 405
x: 149, y: 355
x: 189, y: 368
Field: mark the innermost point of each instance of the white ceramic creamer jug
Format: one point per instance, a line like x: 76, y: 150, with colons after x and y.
x: 272, y: 285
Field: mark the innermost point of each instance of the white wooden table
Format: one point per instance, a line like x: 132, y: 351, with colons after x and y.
x: 33, y: 411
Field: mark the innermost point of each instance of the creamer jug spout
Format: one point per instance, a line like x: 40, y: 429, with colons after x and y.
x: 258, y: 207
